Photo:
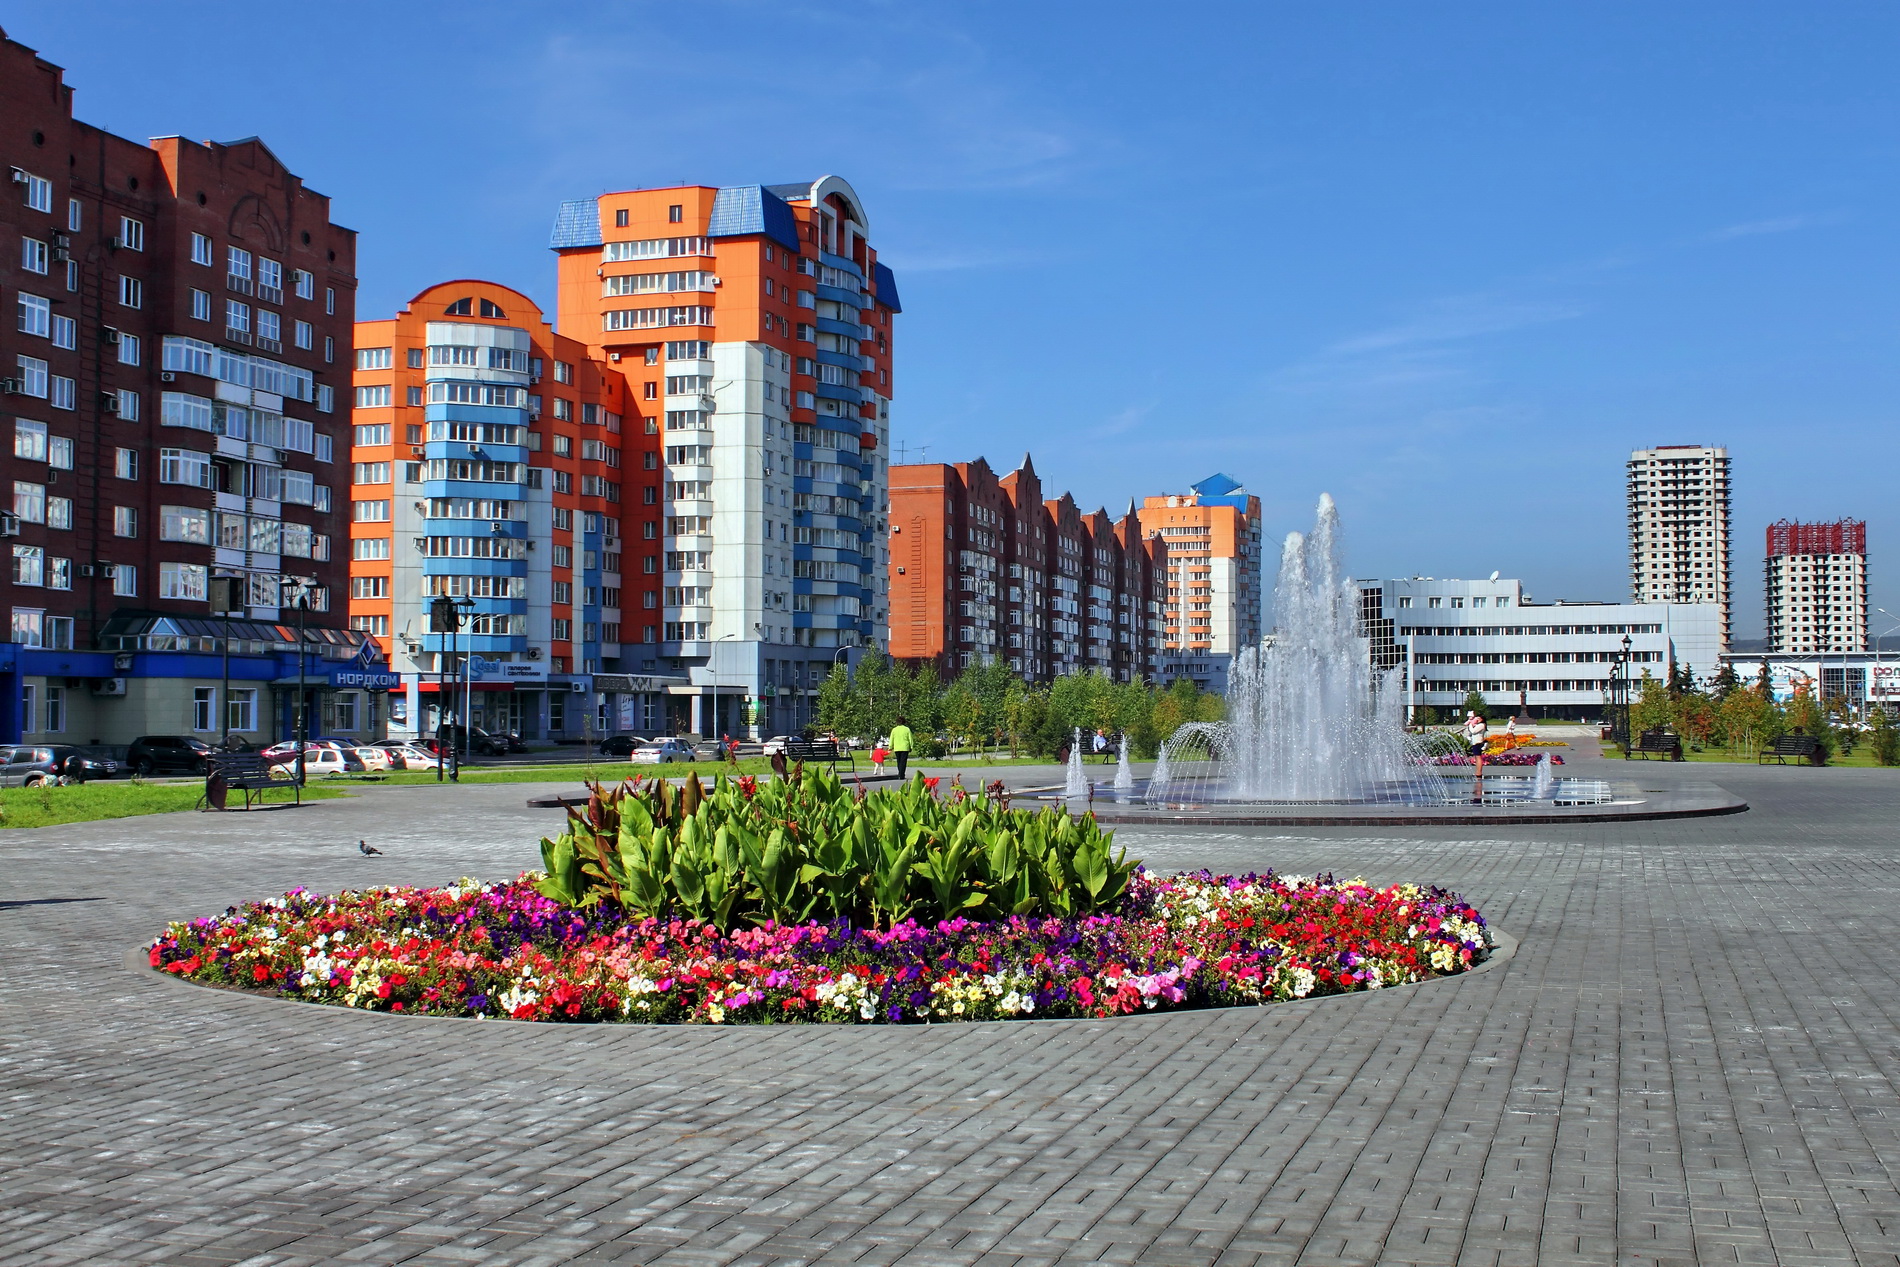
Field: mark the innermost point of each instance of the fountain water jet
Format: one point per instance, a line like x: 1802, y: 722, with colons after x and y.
x: 1124, y: 775
x: 1077, y: 783
x: 1309, y: 718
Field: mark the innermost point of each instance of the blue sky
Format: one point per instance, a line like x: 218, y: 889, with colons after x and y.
x: 1447, y: 262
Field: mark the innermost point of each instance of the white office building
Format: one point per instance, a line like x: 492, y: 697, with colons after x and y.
x: 1451, y: 637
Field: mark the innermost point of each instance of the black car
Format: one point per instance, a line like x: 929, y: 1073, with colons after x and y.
x: 619, y: 745
x: 166, y: 754
x: 480, y: 742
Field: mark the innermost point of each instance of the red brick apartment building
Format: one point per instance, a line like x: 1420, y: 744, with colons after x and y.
x: 987, y: 567
x: 181, y: 333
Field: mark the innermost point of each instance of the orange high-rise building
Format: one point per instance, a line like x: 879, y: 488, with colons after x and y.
x: 511, y: 469
x: 757, y: 324
x: 1214, y: 580
x: 986, y: 569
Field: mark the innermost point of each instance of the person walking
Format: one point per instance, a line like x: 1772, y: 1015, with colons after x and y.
x: 902, y: 741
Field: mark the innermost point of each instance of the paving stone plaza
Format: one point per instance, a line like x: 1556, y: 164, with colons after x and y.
x: 1692, y: 1057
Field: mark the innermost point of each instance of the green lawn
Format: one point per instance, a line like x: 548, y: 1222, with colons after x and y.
x: 608, y: 770
x: 89, y: 802
x: 1863, y: 756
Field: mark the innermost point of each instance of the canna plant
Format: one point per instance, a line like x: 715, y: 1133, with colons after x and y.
x: 805, y: 847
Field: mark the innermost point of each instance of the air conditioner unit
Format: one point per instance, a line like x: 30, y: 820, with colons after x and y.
x: 109, y: 402
x: 118, y: 244
x: 110, y: 334
x: 109, y: 686
x: 579, y: 688
x: 166, y: 376
x: 474, y: 448
x: 534, y: 653
x: 614, y: 356
x: 10, y: 386
x: 20, y: 177
x: 415, y: 451
x: 9, y: 525
x: 61, y: 255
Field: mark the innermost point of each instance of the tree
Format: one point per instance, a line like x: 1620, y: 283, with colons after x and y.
x: 1424, y: 715
x: 1724, y: 681
x: 1680, y: 679
x: 838, y: 708
x: 1474, y: 703
x: 1653, y: 708
x: 1885, y: 739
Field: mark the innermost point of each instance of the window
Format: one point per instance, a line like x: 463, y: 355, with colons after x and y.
x: 414, y: 397
x: 29, y: 440
x: 32, y: 376
x: 128, y: 402
x: 131, y: 234
x: 36, y: 315
x: 237, y: 316
x: 200, y: 249
x: 372, y: 472
x: 131, y: 292
x: 369, y: 587
x: 29, y: 565
x: 305, y: 283
x: 126, y: 463
x: 33, y: 255
x: 270, y: 276
x: 200, y: 304
x: 270, y: 327
x: 125, y: 521
x: 59, y: 576
x: 329, y: 349
x: 65, y: 333
x: 325, y: 398
x: 184, y: 523
x: 29, y: 626
x: 562, y: 630
x: 180, y: 409
x: 329, y: 300
x: 373, y: 358
x: 370, y: 548
x: 325, y: 449
x: 185, y: 466
x: 675, y: 213
x: 29, y: 501
x: 39, y: 192
x: 238, y: 265
x: 620, y: 218
x: 241, y: 708
x: 186, y: 581
x: 372, y: 397
x: 59, y: 452
x: 371, y: 512
x: 203, y: 706
x: 55, y: 709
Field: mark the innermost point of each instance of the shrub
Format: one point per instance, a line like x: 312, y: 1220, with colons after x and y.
x: 1885, y: 738
x: 787, y: 851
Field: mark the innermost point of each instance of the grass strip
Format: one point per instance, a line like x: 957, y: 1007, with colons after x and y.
x: 50, y: 806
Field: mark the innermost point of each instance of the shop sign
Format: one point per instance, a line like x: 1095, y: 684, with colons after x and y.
x: 481, y: 669
x: 1883, y: 682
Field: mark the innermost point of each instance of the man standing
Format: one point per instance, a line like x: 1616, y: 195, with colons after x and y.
x: 902, y: 741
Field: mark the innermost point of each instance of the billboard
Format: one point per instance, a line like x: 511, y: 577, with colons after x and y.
x: 1883, y: 682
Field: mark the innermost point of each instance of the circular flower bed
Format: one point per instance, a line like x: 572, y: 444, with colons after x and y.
x: 1499, y: 758
x: 504, y: 950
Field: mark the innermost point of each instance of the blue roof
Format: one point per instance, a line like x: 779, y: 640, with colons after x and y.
x: 578, y: 224
x: 747, y: 209
x: 885, y: 283
x: 1217, y: 485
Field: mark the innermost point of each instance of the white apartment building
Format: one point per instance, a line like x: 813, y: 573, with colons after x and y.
x: 1679, y: 527
x: 1816, y: 581
x: 1452, y: 637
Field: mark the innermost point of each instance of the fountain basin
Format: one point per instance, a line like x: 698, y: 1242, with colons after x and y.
x: 1501, y: 801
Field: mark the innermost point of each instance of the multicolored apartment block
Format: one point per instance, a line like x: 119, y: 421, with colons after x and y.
x: 181, y: 335
x: 984, y: 569
x: 1815, y: 575
x: 754, y: 327
x: 1214, y: 582
x: 511, y: 470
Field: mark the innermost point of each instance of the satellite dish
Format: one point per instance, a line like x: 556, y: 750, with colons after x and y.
x: 1494, y: 576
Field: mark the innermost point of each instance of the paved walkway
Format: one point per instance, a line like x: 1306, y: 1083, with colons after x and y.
x: 1692, y: 1058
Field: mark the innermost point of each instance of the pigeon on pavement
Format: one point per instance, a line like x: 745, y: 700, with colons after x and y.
x: 367, y: 848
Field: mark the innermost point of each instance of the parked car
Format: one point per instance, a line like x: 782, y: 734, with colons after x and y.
x: 620, y: 745
x: 166, y: 754
x: 57, y: 763
x: 372, y: 756
x: 657, y: 751
x: 775, y: 746
x: 319, y: 759
x: 480, y: 742
x: 404, y: 756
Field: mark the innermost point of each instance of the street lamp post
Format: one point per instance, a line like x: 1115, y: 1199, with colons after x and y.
x: 445, y: 617
x: 1620, y: 698
x: 299, y: 588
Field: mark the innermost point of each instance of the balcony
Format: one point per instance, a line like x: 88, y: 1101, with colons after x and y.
x: 242, y: 285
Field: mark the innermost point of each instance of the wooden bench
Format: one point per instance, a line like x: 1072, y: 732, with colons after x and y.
x: 829, y: 750
x: 1658, y: 743
x: 1804, y: 748
x: 247, y: 773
